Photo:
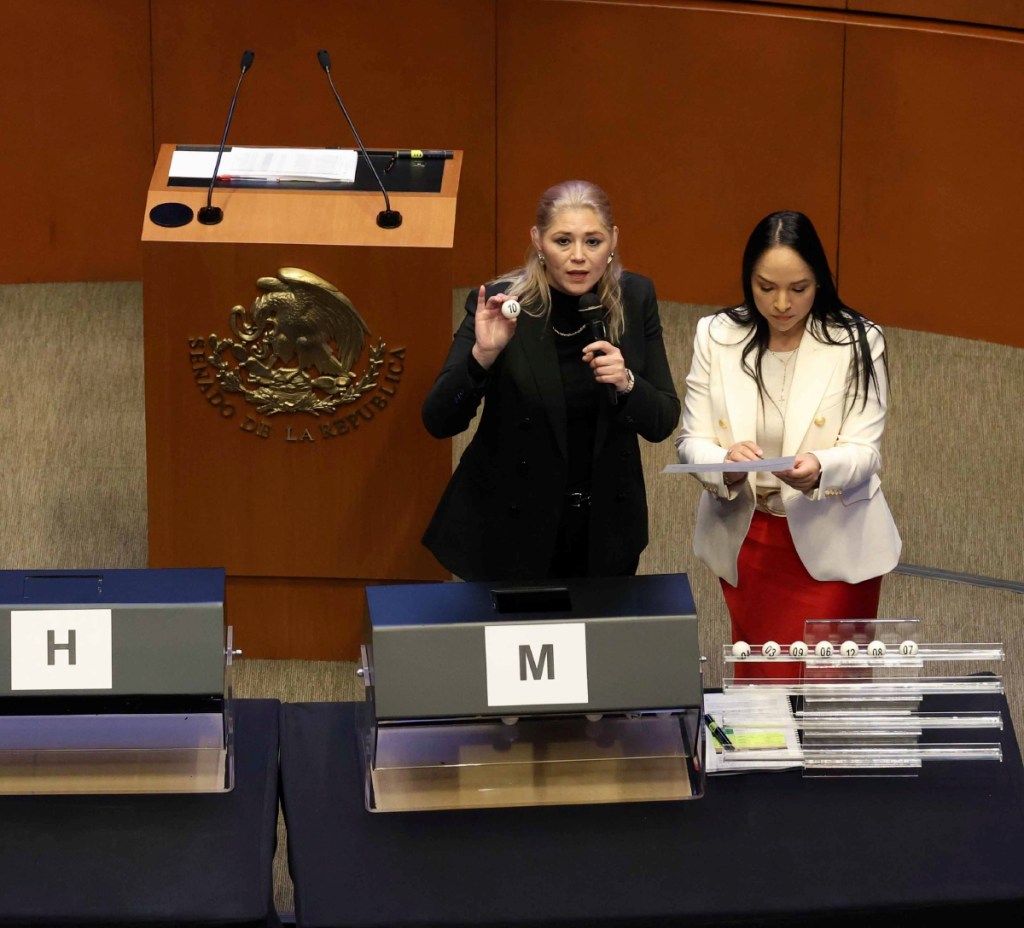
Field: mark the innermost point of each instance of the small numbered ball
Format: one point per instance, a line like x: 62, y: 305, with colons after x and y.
x: 798, y: 650
x: 771, y: 649
x: 510, y: 309
x: 908, y: 648
x: 876, y: 649
x: 824, y: 649
x: 741, y: 650
x: 849, y: 649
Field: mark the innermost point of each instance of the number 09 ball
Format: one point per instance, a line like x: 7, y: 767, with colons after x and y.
x: 741, y: 650
x: 798, y: 650
x: 510, y: 309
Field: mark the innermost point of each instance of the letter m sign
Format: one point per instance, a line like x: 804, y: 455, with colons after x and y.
x: 520, y: 664
x: 536, y: 667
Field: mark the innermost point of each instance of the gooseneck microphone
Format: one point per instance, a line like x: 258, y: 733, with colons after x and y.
x: 210, y: 215
x: 592, y: 313
x: 387, y: 218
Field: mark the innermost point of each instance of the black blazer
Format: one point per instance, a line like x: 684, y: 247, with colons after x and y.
x: 498, y: 518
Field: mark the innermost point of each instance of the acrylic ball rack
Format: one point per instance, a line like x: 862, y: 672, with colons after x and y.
x: 867, y: 697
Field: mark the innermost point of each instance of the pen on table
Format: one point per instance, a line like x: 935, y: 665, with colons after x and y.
x: 717, y: 733
x: 423, y: 154
x: 418, y: 154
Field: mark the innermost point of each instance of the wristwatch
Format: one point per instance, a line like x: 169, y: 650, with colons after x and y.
x: 630, y: 382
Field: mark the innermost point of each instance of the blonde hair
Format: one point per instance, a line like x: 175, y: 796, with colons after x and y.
x: 529, y: 283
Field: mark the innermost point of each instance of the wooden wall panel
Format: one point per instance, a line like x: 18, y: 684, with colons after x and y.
x: 419, y: 75
x: 77, y: 145
x: 697, y: 123
x: 933, y: 183
x: 985, y: 12
x: 297, y: 618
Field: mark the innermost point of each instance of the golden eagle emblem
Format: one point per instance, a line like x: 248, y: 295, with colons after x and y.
x: 294, y: 349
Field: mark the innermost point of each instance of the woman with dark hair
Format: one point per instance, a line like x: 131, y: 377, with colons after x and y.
x: 551, y: 484
x: 792, y: 371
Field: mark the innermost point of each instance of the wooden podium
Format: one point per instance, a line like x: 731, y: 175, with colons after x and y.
x: 304, y: 478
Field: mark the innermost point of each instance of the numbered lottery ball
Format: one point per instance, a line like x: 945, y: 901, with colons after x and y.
x: 849, y: 649
x: 876, y: 649
x: 510, y: 309
x: 771, y: 649
x: 741, y: 650
x: 824, y: 649
x: 908, y: 648
x: 798, y: 650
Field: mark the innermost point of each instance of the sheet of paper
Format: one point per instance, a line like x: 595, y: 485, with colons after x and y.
x: 732, y: 467
x: 187, y: 164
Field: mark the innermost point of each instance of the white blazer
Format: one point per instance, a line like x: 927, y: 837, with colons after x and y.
x: 843, y: 530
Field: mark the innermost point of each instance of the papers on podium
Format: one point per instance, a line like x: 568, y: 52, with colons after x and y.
x: 268, y: 165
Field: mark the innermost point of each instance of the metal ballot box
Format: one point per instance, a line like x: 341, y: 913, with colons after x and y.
x: 577, y: 691
x: 118, y: 682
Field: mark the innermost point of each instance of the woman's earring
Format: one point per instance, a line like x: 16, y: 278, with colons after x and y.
x: 612, y: 255
x: 540, y: 256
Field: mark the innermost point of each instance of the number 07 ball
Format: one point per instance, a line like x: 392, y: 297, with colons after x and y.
x: 510, y: 309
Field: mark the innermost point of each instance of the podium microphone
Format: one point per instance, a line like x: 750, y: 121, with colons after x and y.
x: 210, y: 215
x: 591, y: 311
x: 387, y: 218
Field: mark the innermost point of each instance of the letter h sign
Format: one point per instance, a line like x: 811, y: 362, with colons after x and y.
x: 536, y: 664
x: 61, y: 649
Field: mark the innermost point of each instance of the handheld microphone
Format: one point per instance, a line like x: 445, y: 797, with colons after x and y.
x: 591, y: 311
x: 210, y: 215
x: 387, y: 218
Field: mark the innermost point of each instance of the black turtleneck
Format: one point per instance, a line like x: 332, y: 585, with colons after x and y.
x: 582, y: 395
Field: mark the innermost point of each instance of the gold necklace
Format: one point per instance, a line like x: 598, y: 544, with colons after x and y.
x: 785, y: 368
x: 568, y: 334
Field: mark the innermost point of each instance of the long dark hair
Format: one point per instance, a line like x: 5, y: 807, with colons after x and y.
x: 830, y: 321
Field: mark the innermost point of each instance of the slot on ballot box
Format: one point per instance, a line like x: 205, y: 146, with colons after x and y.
x: 119, y: 682
x: 576, y: 691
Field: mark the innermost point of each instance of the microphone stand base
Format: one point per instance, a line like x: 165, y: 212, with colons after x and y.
x: 386, y: 218
x: 210, y: 215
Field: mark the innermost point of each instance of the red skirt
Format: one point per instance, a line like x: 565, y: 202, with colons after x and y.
x: 776, y: 595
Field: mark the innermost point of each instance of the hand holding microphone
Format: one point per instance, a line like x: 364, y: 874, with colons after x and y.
x: 604, y: 358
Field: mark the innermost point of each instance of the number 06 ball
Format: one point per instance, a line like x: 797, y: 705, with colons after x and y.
x: 510, y: 309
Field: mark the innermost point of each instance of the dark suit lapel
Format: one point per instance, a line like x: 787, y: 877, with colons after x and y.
x: 533, y: 350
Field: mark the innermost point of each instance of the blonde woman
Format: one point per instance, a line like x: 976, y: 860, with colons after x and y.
x: 551, y: 484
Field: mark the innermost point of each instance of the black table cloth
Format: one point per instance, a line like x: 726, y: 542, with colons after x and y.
x: 772, y: 848
x: 149, y: 859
